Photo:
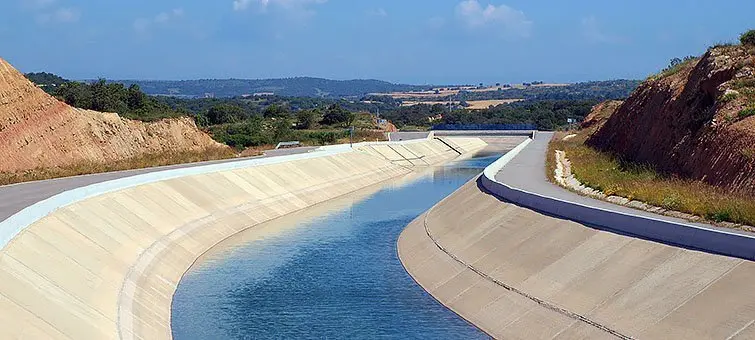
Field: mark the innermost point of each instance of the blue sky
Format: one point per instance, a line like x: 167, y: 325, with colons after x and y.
x: 410, y: 41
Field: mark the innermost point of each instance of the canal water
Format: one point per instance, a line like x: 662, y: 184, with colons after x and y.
x: 330, y: 271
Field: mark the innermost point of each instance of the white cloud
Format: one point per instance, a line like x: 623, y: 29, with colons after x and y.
x: 593, y: 33
x: 295, y: 6
x: 378, y: 12
x: 61, y: 15
x: 511, y: 22
x: 240, y: 5
x: 142, y: 25
x: 45, y: 11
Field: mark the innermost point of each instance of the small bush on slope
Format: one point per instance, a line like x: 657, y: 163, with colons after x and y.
x: 748, y: 38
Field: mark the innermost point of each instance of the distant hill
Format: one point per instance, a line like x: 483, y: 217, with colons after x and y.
x: 47, y: 81
x: 594, y: 90
x: 290, y: 87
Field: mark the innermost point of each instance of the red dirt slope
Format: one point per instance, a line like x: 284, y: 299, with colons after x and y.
x: 693, y: 121
x: 37, y: 131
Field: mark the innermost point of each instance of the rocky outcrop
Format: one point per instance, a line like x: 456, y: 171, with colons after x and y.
x: 38, y: 131
x: 692, y: 121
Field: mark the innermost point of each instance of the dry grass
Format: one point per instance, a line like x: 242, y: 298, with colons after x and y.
x: 485, y: 104
x: 141, y: 162
x: 473, y: 104
x: 606, y: 173
x: 445, y: 92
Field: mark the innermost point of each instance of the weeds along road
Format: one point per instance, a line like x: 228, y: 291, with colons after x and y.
x: 527, y: 172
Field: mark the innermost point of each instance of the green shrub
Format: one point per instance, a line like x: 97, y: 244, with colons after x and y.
x: 744, y: 83
x: 750, y: 111
x: 672, y: 202
x: 748, y: 38
x: 729, y: 97
x: 723, y: 215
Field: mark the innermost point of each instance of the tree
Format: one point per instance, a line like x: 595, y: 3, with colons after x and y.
x: 135, y: 98
x: 281, y: 130
x: 276, y: 111
x: 75, y: 94
x: 307, y: 119
x: 225, y: 113
x: 335, y: 115
x: 201, y: 120
x: 47, y: 81
x: 748, y: 38
x: 351, y: 118
x: 108, y: 97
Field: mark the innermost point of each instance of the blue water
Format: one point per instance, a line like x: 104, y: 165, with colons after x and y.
x: 328, y: 273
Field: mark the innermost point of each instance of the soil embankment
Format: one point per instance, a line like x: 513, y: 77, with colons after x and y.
x: 696, y: 120
x: 38, y: 131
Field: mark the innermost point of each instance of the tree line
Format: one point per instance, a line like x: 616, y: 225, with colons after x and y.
x: 545, y: 114
x: 253, y: 121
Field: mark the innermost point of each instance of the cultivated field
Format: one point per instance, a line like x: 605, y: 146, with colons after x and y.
x: 441, y: 92
x: 473, y: 104
x: 484, y: 104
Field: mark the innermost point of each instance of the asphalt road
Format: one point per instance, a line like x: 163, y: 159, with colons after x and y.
x: 527, y: 172
x: 399, y: 136
x: 15, y: 197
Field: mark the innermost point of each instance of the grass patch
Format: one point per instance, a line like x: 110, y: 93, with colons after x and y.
x: 748, y: 112
x: 607, y: 173
x: 141, y: 162
x: 742, y: 83
x: 676, y: 66
x: 729, y: 97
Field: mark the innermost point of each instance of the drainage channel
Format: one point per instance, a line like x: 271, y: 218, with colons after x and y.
x: 331, y: 271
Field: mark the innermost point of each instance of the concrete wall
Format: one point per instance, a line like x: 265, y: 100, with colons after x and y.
x: 668, y: 232
x: 520, y: 274
x: 103, y: 262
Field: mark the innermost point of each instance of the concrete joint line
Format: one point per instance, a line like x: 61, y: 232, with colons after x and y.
x: 740, y: 330
x: 448, y: 145
x: 515, y: 290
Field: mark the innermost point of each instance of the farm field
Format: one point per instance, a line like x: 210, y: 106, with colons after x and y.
x: 473, y: 104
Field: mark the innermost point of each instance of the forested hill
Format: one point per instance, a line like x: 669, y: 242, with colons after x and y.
x: 290, y: 87
x: 46, y: 81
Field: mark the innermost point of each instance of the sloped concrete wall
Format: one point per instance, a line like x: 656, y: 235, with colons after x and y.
x: 519, y: 274
x: 423, y: 152
x: 106, y: 266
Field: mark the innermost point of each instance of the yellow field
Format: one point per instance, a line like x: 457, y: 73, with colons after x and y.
x: 473, y: 104
x: 441, y: 92
x: 484, y: 104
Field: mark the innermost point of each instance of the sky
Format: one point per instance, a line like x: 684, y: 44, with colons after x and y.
x: 405, y: 41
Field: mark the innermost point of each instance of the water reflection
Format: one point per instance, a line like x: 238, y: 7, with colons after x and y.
x: 330, y: 271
